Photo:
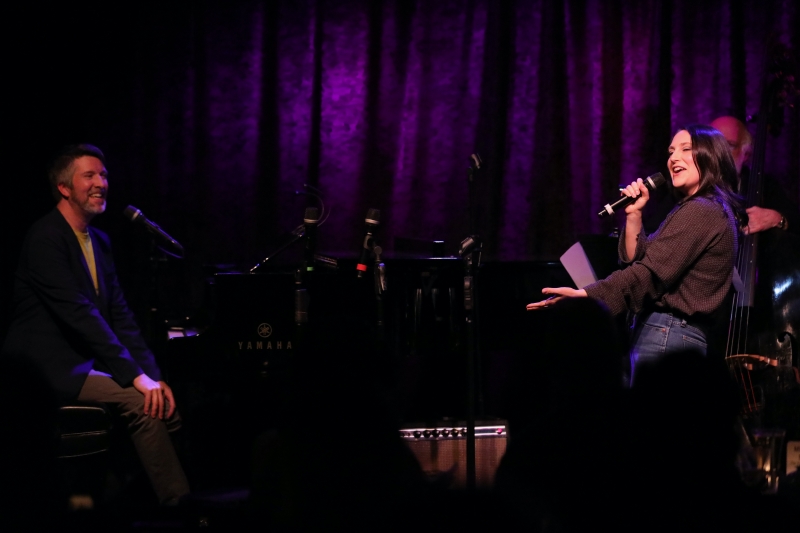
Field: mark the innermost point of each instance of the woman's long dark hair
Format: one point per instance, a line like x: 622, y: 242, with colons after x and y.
x: 718, y: 176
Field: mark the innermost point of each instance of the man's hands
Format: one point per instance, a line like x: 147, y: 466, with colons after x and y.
x: 761, y: 219
x: 157, y: 396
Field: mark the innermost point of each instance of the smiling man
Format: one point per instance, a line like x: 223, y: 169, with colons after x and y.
x: 72, y: 321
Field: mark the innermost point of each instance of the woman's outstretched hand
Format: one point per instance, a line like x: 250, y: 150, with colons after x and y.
x: 556, y: 294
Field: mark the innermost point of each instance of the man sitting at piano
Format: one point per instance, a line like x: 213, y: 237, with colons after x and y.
x: 71, y: 320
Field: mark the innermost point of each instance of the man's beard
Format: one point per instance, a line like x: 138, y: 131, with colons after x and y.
x: 89, y: 207
x: 94, y: 209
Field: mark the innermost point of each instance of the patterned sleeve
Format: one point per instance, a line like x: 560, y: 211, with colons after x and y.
x: 685, y: 235
x: 641, y: 246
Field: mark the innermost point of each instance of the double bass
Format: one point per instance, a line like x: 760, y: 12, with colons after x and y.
x: 764, y: 333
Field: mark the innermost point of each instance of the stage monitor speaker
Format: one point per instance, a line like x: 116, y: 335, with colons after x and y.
x: 442, y: 451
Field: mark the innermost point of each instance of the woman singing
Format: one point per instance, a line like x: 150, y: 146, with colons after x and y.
x: 676, y: 278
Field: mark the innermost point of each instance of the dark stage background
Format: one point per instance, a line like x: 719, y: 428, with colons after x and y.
x: 212, y: 115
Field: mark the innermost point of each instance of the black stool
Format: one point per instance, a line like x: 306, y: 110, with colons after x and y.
x: 84, y: 437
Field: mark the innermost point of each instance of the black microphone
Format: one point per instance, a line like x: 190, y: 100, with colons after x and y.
x: 652, y: 182
x: 310, y: 221
x: 135, y: 215
x: 372, y: 220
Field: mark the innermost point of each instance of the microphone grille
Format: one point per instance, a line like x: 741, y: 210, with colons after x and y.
x: 131, y: 213
x: 655, y: 180
x: 373, y: 217
x: 311, y: 215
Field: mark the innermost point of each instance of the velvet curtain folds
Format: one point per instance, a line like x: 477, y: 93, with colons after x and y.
x: 214, y: 113
x: 380, y: 104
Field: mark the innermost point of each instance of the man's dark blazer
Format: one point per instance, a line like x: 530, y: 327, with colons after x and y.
x: 61, y: 323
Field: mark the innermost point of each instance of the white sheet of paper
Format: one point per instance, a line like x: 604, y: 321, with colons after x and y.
x: 578, y: 266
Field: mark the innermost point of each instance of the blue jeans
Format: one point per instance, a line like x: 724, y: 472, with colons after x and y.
x: 657, y: 334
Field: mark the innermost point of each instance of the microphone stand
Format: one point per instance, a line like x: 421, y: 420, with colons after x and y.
x: 152, y: 331
x: 470, y: 252
x: 379, y: 284
x: 300, y: 231
x: 379, y: 275
x: 473, y: 172
x: 300, y: 309
x: 155, y: 331
x: 297, y: 234
x: 301, y: 298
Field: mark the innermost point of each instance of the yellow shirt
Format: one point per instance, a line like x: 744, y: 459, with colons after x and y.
x: 88, y: 253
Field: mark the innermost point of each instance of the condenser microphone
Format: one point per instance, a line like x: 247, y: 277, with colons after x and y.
x: 135, y: 215
x: 372, y: 220
x: 310, y: 222
x: 652, y: 182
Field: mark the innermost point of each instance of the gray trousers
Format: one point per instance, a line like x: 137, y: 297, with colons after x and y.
x: 150, y: 436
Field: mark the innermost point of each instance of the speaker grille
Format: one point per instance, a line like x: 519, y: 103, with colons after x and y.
x: 442, y: 452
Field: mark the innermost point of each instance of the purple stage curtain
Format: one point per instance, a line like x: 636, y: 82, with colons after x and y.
x: 214, y: 113
x: 380, y: 104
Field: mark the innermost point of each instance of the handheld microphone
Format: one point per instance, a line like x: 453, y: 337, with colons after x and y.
x: 372, y: 220
x: 310, y: 221
x: 135, y: 215
x: 652, y: 182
